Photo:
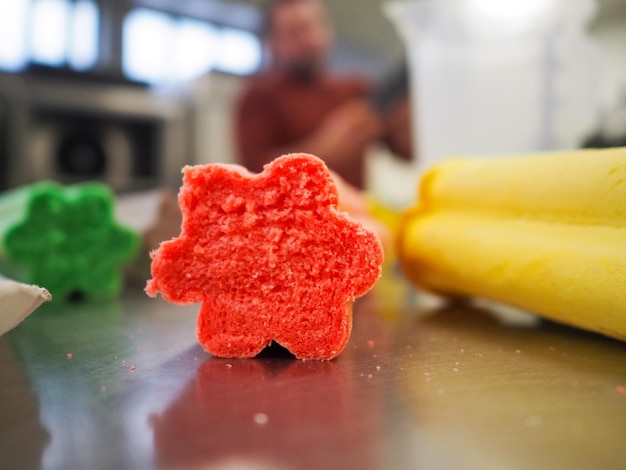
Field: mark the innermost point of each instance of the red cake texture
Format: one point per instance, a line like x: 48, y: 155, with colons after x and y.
x: 270, y: 258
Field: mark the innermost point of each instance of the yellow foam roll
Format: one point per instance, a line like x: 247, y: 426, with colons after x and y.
x: 582, y: 187
x: 545, y: 233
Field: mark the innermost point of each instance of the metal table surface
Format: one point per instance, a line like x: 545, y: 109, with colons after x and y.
x: 125, y: 385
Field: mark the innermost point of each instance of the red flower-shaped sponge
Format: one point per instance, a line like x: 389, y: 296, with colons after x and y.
x: 269, y: 257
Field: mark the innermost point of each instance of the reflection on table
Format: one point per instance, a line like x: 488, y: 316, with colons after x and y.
x: 125, y: 385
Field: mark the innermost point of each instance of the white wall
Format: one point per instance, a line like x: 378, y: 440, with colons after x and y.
x: 211, y: 101
x: 610, y: 34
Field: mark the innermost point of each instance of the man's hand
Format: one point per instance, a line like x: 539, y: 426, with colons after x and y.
x: 346, y: 132
x: 398, y: 126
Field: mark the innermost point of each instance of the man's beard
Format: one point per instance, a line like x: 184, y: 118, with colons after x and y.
x: 304, y: 70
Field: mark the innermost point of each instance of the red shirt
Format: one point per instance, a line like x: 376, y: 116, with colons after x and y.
x: 277, y: 110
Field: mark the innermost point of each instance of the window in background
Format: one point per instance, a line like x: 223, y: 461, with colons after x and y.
x: 146, y: 37
x: 196, y: 47
x: 55, y: 33
x: 239, y: 52
x: 13, y: 16
x: 159, y: 48
x: 83, y: 53
x: 50, y: 22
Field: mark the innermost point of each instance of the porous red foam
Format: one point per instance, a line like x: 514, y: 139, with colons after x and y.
x: 269, y: 257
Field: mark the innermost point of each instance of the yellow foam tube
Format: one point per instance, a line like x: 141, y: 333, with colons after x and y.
x: 543, y: 232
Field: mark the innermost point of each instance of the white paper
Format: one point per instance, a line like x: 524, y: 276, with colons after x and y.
x: 17, y: 301
x: 139, y: 210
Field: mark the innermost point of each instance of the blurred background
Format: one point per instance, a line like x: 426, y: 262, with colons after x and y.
x: 129, y: 91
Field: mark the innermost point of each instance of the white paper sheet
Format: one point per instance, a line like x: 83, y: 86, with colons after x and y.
x: 17, y: 301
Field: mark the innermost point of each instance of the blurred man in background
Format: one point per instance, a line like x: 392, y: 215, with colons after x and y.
x: 298, y: 105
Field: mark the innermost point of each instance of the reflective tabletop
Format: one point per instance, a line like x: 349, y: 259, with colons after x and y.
x: 125, y: 385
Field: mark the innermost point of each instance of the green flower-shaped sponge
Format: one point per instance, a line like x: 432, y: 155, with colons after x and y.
x: 65, y: 239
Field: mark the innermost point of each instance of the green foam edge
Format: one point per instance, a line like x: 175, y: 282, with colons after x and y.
x: 66, y: 239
